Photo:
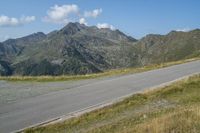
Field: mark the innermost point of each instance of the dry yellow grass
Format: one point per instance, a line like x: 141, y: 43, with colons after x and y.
x: 181, y: 120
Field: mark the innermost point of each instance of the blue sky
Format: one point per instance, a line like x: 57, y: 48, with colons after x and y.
x: 134, y: 17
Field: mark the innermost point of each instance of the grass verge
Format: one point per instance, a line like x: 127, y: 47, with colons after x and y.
x: 174, y: 108
x: 114, y: 72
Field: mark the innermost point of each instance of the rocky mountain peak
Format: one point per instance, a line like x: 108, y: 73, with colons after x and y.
x: 72, y: 28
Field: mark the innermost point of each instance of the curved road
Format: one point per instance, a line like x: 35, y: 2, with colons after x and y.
x: 45, y: 107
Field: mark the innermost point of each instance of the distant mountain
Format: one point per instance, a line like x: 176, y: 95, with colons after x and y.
x: 80, y: 49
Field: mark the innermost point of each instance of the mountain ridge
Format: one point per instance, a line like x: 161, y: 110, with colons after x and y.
x: 81, y: 49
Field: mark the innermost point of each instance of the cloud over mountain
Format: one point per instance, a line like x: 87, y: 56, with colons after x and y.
x: 105, y: 25
x: 61, y: 14
x: 82, y: 21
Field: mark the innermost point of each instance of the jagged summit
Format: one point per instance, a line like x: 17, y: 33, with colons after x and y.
x: 72, y: 28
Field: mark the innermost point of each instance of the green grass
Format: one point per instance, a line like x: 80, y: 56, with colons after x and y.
x: 174, y: 108
x: 114, y: 72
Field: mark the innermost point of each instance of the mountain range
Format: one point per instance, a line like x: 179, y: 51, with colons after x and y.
x: 81, y: 49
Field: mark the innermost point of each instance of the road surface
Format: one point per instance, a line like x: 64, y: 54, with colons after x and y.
x: 41, y: 108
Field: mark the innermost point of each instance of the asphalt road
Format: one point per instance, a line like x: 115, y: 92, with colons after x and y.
x: 34, y: 110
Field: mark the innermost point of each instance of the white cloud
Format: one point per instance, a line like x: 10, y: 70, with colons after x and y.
x: 11, y: 21
x: 64, y: 14
x: 27, y: 19
x: 61, y: 14
x: 184, y: 29
x: 105, y: 25
x: 93, y: 14
x: 82, y: 21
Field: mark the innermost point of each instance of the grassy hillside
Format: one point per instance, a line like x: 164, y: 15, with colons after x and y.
x: 170, y: 47
x: 174, y: 108
x: 113, y: 72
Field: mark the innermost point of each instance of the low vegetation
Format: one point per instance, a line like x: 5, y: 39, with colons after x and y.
x: 174, y: 108
x: 114, y: 72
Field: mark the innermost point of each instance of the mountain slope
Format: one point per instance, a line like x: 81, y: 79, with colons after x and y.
x: 80, y: 49
x: 173, y: 46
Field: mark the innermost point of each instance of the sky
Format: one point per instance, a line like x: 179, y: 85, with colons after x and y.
x: 136, y: 18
